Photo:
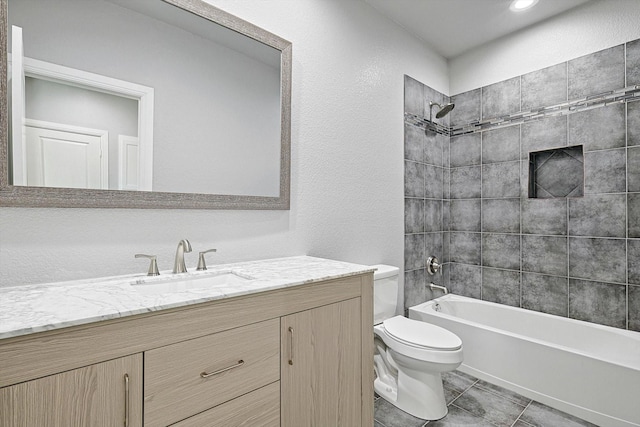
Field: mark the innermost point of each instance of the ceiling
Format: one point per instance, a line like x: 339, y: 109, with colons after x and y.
x: 452, y: 27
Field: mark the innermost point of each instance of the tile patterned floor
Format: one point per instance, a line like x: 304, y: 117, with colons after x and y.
x: 474, y: 402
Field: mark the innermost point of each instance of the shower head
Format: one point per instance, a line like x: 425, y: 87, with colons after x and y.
x: 443, y: 109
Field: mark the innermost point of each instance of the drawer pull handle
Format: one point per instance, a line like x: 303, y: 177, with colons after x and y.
x: 210, y: 374
x: 291, y: 346
x: 126, y: 400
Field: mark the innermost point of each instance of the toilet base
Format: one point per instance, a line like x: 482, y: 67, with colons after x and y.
x: 417, y: 393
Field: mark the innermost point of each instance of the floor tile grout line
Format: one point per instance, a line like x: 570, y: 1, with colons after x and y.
x: 521, y: 413
x: 495, y: 393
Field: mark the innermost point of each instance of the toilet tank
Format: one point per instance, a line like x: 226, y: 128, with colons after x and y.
x: 385, y: 292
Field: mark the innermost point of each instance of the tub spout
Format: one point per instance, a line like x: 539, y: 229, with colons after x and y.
x: 442, y: 288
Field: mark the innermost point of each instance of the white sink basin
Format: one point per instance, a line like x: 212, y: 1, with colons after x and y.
x: 162, y: 285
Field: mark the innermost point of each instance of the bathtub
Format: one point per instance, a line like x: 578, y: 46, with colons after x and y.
x: 584, y: 369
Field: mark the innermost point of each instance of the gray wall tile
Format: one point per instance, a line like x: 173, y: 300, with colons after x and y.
x: 545, y: 87
x: 548, y: 294
x: 596, y: 73
x: 433, y: 181
x: 597, y: 302
x: 465, y: 150
x: 544, y: 216
x: 414, y: 143
x: 467, y: 108
x: 604, y: 171
x: 633, y: 63
x: 633, y: 260
x: 465, y: 280
x: 501, y: 215
x: 413, y: 96
x: 413, y: 179
x: 633, y: 215
x: 465, y: 182
x: 432, y: 246
x: 598, y: 129
x: 501, y: 251
x: 610, y: 221
x: 544, y: 254
x: 501, y: 145
x: 414, y: 254
x: 501, y: 286
x: 465, y: 247
x: 585, y: 253
x: 465, y: 215
x: 413, y: 216
x: 633, y: 123
x: 634, y: 308
x: 415, y: 287
x: 543, y: 134
x: 633, y: 169
x: 432, y: 215
x: 501, y: 179
x: 501, y: 99
x: 433, y: 148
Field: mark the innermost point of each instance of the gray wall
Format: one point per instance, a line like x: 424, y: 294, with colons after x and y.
x: 577, y: 257
x: 216, y: 111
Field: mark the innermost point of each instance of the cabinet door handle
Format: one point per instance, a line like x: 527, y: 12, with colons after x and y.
x: 291, y: 346
x: 126, y: 400
x: 210, y: 374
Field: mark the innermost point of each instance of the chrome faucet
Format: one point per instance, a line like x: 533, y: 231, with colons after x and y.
x: 179, y: 265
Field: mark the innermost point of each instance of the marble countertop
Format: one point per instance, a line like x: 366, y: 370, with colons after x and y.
x: 35, y: 308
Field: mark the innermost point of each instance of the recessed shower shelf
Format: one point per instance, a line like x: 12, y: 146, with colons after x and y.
x: 628, y: 94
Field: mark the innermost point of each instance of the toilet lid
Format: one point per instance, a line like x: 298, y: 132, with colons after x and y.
x: 421, y: 334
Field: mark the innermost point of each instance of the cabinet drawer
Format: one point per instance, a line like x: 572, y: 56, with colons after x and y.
x: 234, y: 362
x: 260, y: 408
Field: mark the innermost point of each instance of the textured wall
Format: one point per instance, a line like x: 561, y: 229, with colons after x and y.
x: 594, y: 26
x: 569, y: 256
x: 347, y: 163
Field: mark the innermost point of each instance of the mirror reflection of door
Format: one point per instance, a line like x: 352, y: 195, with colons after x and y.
x: 71, y: 100
x: 65, y: 156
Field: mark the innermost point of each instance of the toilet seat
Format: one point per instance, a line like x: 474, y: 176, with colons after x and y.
x: 421, y: 334
x: 432, y: 343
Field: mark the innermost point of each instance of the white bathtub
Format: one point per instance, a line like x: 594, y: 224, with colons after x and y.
x: 584, y: 369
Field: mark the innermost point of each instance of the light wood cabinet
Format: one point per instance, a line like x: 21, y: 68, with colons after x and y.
x: 192, y: 376
x: 321, y: 366
x: 75, y: 376
x: 104, y: 394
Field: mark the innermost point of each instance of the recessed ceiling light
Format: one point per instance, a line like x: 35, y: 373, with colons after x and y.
x: 521, y: 5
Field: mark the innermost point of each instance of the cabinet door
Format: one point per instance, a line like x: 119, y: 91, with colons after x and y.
x: 104, y: 394
x: 321, y: 366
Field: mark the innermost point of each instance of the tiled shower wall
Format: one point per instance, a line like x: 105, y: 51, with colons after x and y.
x: 426, y: 176
x: 576, y: 257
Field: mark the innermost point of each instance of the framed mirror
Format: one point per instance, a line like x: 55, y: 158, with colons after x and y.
x: 143, y: 104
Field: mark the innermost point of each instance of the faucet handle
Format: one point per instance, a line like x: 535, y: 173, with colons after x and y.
x: 433, y: 265
x: 153, y: 265
x: 202, y: 265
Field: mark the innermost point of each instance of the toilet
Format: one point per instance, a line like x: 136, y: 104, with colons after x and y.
x: 409, y: 355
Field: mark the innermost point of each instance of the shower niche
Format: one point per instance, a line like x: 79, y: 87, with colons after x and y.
x: 556, y: 173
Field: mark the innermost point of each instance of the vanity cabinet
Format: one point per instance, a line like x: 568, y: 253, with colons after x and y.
x: 103, y: 394
x: 321, y: 366
x: 297, y: 356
